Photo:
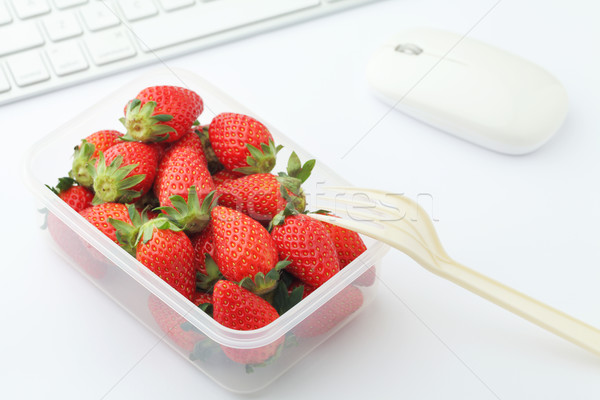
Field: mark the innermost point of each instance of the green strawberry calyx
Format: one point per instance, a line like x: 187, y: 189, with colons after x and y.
x: 63, y: 185
x: 111, y: 183
x: 140, y: 229
x: 207, y: 282
x: 263, y: 285
x: 284, y: 300
x: 260, y: 161
x: 142, y: 126
x: 82, y: 158
x: 291, y: 188
x: 191, y: 216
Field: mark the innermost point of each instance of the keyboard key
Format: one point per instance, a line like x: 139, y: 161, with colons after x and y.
x: 30, y: 8
x: 28, y: 68
x: 62, y: 25
x: 5, y: 17
x: 98, y: 16
x: 171, y: 5
x: 4, y: 83
x: 109, y: 46
x: 68, y: 3
x: 24, y: 35
x: 67, y: 58
x: 137, y: 9
x: 209, y: 18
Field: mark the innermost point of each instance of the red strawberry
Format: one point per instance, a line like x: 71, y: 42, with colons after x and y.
x: 168, y: 252
x: 75, y: 248
x: 305, y: 242
x: 349, y: 246
x: 103, y: 140
x: 99, y: 215
x: 225, y: 175
x: 243, y: 248
x: 262, y: 196
x: 240, y: 309
x: 242, y: 143
x: 181, y: 168
x: 331, y: 313
x: 85, y: 211
x: 203, y: 244
x: 88, y: 151
x: 191, y: 139
x: 125, y: 172
x: 161, y: 113
x: 170, y: 323
x: 78, y: 197
x: 202, y: 298
x: 257, y: 195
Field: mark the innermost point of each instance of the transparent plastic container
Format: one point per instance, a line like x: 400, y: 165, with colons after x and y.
x: 206, y: 344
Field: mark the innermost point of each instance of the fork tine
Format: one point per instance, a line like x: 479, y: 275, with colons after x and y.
x: 373, y: 210
x: 386, y: 232
x: 416, y: 213
x: 376, y: 232
x: 401, y: 201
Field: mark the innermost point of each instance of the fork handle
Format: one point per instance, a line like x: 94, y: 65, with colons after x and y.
x: 553, y: 320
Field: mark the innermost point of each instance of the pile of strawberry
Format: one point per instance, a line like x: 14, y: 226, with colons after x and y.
x: 200, y: 207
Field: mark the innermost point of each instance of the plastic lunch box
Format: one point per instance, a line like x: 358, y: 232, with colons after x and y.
x: 191, y: 332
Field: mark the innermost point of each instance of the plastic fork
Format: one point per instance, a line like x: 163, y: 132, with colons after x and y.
x: 400, y: 222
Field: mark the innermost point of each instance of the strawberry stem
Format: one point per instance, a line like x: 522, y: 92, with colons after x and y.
x: 142, y: 125
x: 111, y: 183
x: 260, y: 161
x: 81, y: 159
x: 191, y: 216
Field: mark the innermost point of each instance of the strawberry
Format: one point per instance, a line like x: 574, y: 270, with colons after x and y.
x: 170, y: 323
x: 242, y: 143
x: 244, y: 249
x: 191, y: 139
x: 212, y: 161
x: 202, y: 298
x: 77, y: 197
x: 88, y: 151
x: 181, y: 168
x: 330, y: 314
x: 170, y: 255
x: 103, y: 140
x: 125, y: 172
x: 162, y: 247
x: 161, y: 113
x: 225, y: 175
x: 75, y: 248
x: 307, y: 245
x: 349, y: 246
x: 203, y: 244
x: 100, y: 214
x: 262, y: 196
x: 256, y: 195
x: 240, y: 309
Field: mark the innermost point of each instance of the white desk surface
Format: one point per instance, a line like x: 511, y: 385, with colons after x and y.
x: 530, y: 222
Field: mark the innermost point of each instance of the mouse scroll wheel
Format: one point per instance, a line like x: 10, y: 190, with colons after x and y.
x: 409, y: 48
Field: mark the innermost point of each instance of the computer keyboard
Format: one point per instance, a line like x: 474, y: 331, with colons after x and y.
x: 50, y: 44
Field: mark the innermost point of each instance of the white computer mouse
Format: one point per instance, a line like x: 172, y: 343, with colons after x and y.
x: 470, y: 89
